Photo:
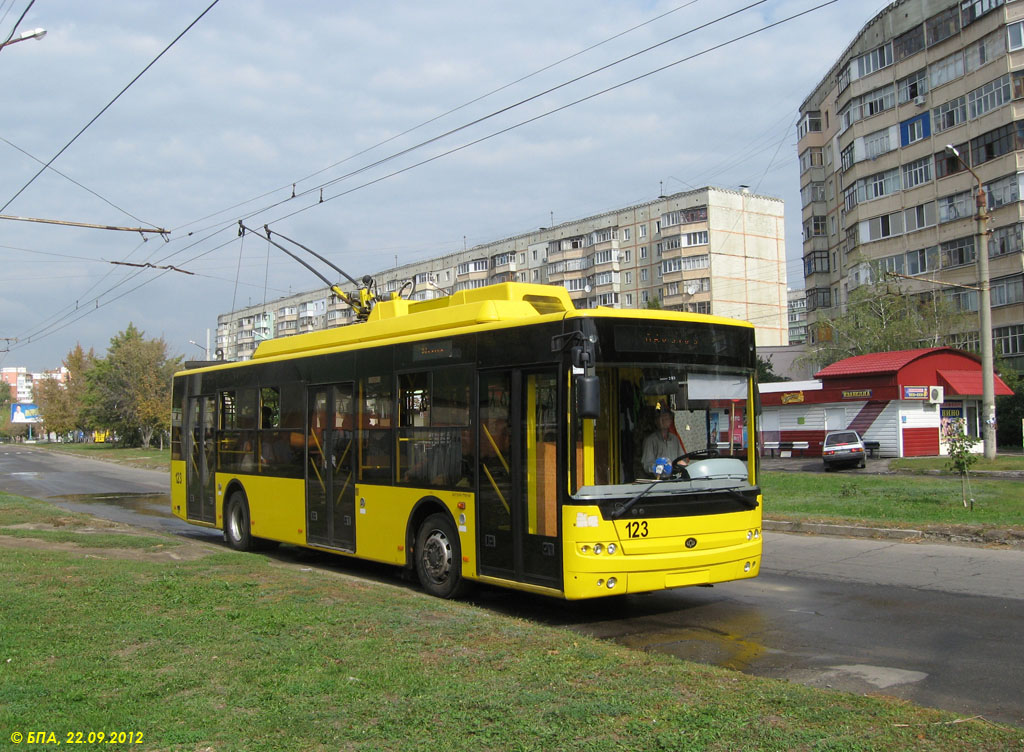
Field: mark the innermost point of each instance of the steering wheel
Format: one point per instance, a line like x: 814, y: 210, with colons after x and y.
x: 694, y: 455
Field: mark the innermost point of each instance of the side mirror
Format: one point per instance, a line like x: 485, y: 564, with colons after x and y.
x: 588, y: 396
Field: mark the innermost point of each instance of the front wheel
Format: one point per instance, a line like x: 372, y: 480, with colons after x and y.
x: 237, y: 531
x: 438, y: 557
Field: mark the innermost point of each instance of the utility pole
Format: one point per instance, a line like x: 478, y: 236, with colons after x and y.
x: 988, y: 381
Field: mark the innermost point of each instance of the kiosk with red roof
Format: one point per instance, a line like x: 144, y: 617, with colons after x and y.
x: 898, y: 401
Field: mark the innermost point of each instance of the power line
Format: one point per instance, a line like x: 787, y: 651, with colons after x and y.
x: 107, y: 106
x: 71, y: 179
x: 54, y: 327
x: 445, y: 114
x: 484, y: 118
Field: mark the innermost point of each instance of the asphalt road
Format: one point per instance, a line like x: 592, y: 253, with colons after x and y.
x: 935, y: 624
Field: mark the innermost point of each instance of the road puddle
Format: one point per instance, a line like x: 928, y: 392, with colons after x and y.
x: 150, y: 504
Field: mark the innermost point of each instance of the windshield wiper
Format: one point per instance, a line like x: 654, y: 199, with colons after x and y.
x: 629, y: 504
x: 747, y: 502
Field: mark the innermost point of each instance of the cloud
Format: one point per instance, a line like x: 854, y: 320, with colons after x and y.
x: 260, y: 95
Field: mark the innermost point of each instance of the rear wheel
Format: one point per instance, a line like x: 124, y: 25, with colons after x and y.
x: 438, y: 557
x: 237, y: 531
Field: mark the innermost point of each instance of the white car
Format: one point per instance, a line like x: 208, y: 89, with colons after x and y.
x: 843, y: 448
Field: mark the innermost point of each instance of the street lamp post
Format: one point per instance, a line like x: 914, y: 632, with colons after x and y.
x: 24, y: 36
x: 988, y: 385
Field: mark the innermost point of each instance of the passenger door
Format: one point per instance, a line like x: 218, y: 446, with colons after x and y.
x: 330, y: 467
x: 517, y: 507
x: 202, y: 457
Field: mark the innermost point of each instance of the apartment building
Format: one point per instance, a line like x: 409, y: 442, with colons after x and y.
x: 880, y: 191
x: 710, y: 250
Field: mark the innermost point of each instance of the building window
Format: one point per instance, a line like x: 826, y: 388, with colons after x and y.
x: 1008, y: 290
x: 643, y: 231
x: 1015, y: 35
x: 810, y: 158
x: 946, y: 70
x: 1008, y: 340
x: 917, y: 173
x: 643, y: 251
x: 922, y: 261
x: 950, y: 114
x: 919, y: 217
x: 949, y: 164
x: 972, y: 10
x: 1005, y: 240
x: 984, y: 51
x: 1003, y: 191
x: 942, y: 25
x: 626, y: 233
x: 815, y: 262
x: 809, y: 123
x: 877, y: 59
x: 643, y: 275
x: 847, y: 157
x: 915, y: 129
x: 913, y: 86
x: 876, y: 186
x: 986, y: 98
x: 957, y: 252
x: 996, y: 143
x: 909, y: 43
x: 957, y: 206
x: 963, y: 300
x: 815, y: 227
x: 877, y: 143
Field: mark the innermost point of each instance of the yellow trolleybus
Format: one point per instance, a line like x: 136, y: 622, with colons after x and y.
x: 496, y: 435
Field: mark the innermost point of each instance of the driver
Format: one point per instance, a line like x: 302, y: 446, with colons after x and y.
x: 663, y: 442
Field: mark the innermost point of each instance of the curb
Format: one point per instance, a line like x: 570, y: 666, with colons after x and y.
x: 1010, y: 539
x: 848, y: 531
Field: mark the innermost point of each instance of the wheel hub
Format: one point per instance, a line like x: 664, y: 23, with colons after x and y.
x: 437, y: 556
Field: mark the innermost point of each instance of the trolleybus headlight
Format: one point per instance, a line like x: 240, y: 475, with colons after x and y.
x: 750, y: 535
x: 746, y: 567
x: 585, y: 548
x: 598, y: 548
x: 757, y: 534
x: 600, y: 582
x: 611, y: 548
x: 612, y: 582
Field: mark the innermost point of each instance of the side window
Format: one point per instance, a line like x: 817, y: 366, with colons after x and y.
x: 375, y: 424
x: 434, y: 445
x: 281, y: 431
x: 236, y: 445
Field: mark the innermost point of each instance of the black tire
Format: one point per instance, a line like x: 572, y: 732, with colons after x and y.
x: 237, y: 529
x: 863, y: 464
x: 438, y: 557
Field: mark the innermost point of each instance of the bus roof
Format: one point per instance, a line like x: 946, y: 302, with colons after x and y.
x: 493, y: 306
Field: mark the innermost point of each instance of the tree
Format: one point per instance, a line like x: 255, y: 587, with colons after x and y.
x: 882, y: 317
x: 1010, y: 409
x: 765, y: 372
x: 958, y: 445
x: 130, y: 389
x: 63, y: 406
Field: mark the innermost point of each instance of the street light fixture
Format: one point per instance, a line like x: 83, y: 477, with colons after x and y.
x: 24, y: 36
x: 988, y: 387
x: 206, y: 353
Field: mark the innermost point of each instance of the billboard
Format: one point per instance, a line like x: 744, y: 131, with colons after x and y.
x: 25, y: 412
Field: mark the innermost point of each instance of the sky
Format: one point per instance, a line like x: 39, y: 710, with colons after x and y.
x: 259, y: 96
